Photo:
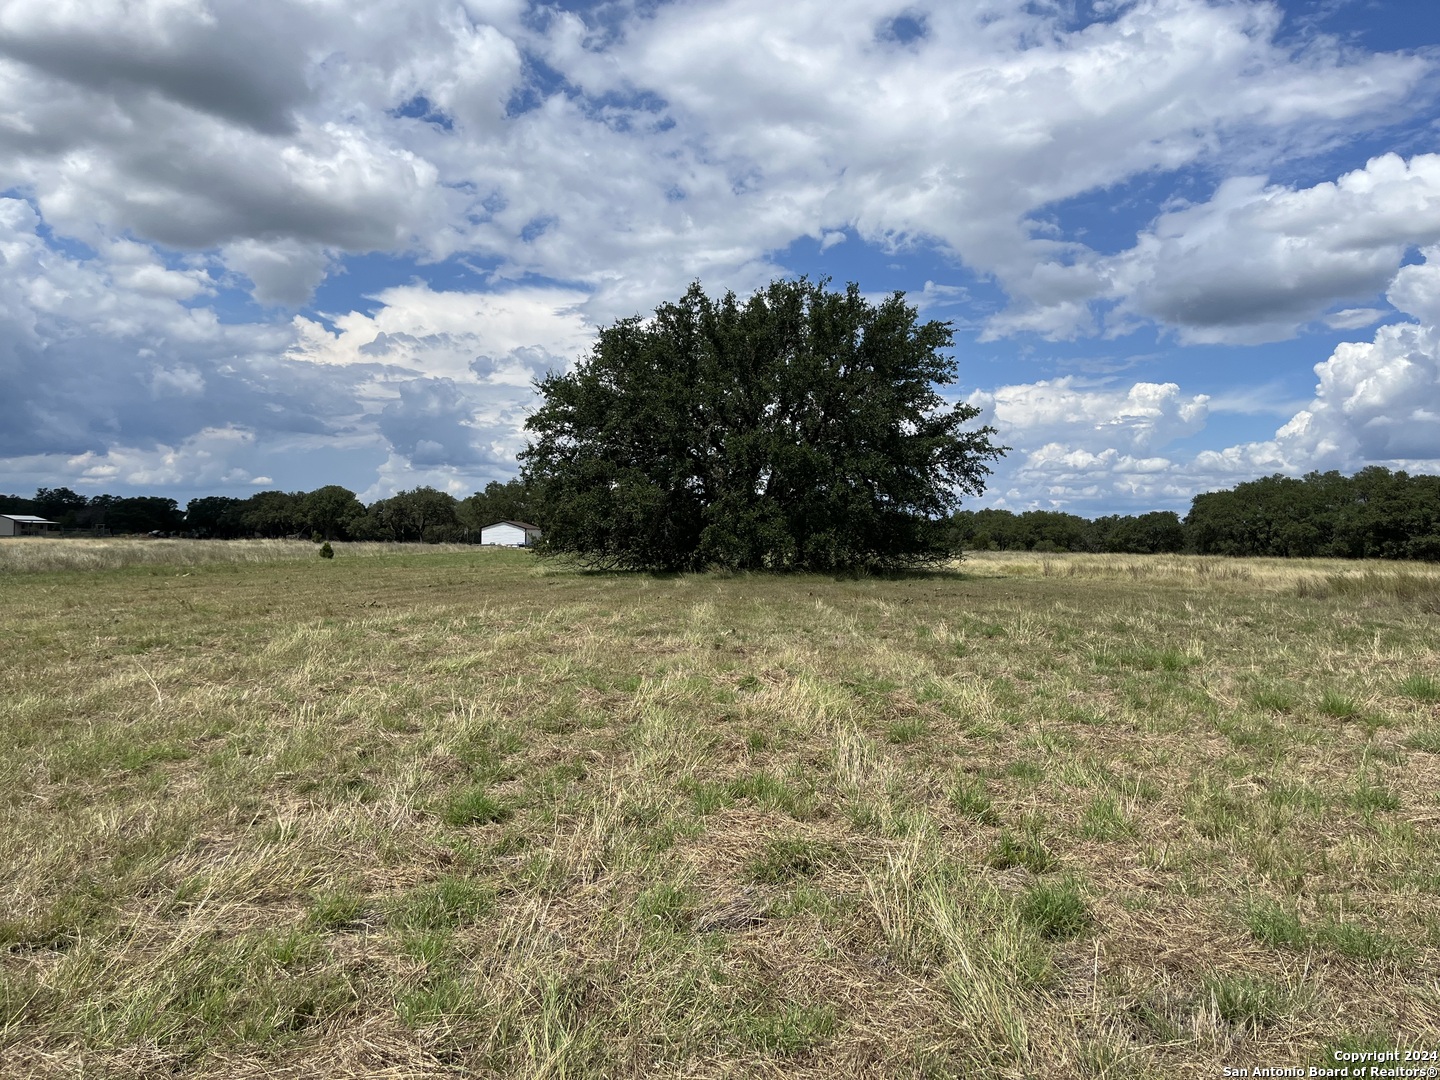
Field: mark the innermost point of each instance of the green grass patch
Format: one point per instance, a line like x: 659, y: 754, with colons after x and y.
x: 80, y: 912
x: 904, y: 732
x: 969, y: 798
x: 790, y: 1031
x: 1024, y: 769
x: 770, y: 792
x: 1421, y: 688
x: 1368, y: 797
x: 1056, y: 909
x: 441, y: 905
x: 1282, y: 928
x: 1338, y: 705
x: 1024, y: 848
x: 1245, y: 1000
x: 789, y: 858
x: 335, y: 910
x: 1105, y: 819
x: 1426, y: 740
x: 1279, y: 699
x: 666, y: 906
x: 473, y: 806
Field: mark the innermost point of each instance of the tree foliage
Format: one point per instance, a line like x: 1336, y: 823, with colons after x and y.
x: 1052, y: 530
x: 800, y: 429
x: 331, y: 511
x: 423, y: 513
x: 1374, y: 514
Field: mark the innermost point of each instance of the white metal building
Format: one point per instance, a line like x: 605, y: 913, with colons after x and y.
x: 510, y: 534
x: 26, y: 525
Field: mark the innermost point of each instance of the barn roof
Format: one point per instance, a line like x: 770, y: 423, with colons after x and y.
x: 30, y: 519
x: 517, y: 524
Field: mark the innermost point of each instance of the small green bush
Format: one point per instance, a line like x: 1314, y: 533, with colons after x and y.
x: 326, y: 551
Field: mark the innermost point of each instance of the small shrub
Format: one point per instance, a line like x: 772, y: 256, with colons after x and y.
x: 326, y: 551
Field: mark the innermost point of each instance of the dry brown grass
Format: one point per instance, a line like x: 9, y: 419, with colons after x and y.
x: 36, y: 555
x: 1288, y: 575
x: 451, y: 813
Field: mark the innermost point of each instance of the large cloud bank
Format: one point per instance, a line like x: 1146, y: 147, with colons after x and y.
x: 180, y: 176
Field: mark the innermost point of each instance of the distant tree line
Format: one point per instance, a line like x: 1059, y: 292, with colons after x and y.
x: 422, y: 514
x: 1052, y: 530
x: 1376, y: 514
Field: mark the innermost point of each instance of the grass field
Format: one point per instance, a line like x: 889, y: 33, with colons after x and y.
x: 433, y: 813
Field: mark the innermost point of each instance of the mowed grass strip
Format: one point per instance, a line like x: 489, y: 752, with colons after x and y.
x: 432, y: 813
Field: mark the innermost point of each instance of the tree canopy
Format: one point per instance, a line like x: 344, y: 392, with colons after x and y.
x: 1374, y: 514
x: 800, y: 429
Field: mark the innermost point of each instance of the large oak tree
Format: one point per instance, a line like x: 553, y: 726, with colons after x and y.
x: 799, y: 429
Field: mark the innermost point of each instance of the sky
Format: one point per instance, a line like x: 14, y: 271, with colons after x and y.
x: 1182, y: 243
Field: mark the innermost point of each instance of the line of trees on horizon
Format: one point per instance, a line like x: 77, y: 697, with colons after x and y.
x: 1377, y: 513
x: 332, y: 512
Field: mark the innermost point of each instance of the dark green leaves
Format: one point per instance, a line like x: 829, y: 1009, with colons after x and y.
x: 798, y: 430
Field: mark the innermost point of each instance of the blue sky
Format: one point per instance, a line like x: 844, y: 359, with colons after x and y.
x: 1183, y: 243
